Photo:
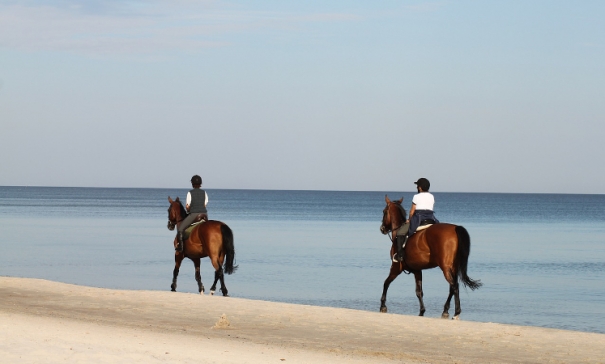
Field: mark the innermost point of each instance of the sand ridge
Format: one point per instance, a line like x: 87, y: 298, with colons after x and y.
x: 258, y: 331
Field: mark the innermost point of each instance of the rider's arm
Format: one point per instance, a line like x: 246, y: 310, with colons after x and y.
x: 412, y: 210
x: 188, y: 201
x: 206, y: 203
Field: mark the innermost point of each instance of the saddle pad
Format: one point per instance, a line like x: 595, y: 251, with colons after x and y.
x: 423, y: 227
x: 188, y: 231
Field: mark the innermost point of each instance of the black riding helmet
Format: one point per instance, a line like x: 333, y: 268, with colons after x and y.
x: 196, y: 180
x: 424, y: 184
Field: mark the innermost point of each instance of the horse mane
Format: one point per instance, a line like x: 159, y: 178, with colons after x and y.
x: 401, y: 209
x: 183, y: 211
x: 403, y: 213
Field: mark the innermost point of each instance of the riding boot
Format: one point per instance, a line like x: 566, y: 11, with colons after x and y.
x: 179, y: 237
x: 401, y: 240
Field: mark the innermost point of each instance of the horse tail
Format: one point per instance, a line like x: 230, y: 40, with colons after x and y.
x: 229, y: 249
x: 464, y: 250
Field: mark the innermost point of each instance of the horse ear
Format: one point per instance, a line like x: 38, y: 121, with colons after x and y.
x: 169, y: 199
x: 400, y: 201
x: 386, y: 198
x: 177, y: 199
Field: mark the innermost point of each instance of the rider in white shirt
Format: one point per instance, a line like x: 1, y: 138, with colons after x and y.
x: 422, y: 209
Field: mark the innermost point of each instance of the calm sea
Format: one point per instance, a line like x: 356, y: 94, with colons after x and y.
x: 541, y: 257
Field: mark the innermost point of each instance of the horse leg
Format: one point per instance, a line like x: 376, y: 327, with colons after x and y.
x: 221, y: 276
x: 198, y: 275
x: 419, y: 294
x: 454, y: 292
x: 446, y: 307
x: 216, y: 276
x: 395, y: 271
x: 457, y: 301
x: 213, y: 288
x: 178, y: 258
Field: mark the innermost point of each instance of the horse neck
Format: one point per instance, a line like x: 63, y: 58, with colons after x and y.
x: 180, y: 213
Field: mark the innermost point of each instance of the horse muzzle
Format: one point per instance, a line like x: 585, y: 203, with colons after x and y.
x: 170, y: 226
x: 383, y: 230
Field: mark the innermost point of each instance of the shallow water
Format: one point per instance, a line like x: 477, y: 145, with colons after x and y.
x: 541, y: 258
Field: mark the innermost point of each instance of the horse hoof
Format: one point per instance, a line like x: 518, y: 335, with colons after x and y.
x: 202, y: 293
x: 445, y: 316
x: 457, y: 317
x: 383, y: 309
x: 225, y: 295
x: 212, y: 293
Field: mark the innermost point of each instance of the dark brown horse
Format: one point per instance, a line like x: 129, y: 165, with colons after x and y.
x: 212, y: 239
x: 445, y: 246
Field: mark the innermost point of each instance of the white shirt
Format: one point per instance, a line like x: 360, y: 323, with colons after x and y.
x: 189, y: 199
x: 424, y: 201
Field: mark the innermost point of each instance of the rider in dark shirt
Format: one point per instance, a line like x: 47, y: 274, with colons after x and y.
x: 197, y: 199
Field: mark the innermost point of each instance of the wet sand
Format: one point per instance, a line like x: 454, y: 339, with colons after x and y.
x: 44, y: 321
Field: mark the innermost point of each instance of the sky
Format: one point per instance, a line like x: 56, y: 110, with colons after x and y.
x: 476, y: 96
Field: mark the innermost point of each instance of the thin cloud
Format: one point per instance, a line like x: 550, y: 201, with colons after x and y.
x: 592, y: 45
x: 137, y: 27
x: 427, y: 7
x: 330, y: 17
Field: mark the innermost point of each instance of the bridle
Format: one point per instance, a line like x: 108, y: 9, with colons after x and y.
x: 389, y: 232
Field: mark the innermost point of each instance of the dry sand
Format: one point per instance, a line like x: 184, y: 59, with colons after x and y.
x: 47, y: 322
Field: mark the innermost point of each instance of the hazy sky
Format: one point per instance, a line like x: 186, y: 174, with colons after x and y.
x: 479, y: 96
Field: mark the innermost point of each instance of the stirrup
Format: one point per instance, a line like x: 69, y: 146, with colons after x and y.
x: 395, y: 258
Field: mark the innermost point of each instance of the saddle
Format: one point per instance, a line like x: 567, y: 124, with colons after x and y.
x: 424, y: 224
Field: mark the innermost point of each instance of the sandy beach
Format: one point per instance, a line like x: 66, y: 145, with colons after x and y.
x: 44, y: 321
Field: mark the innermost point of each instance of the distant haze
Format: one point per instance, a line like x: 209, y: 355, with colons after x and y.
x: 477, y: 96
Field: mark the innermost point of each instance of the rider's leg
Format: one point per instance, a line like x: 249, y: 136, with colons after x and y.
x: 181, y: 230
x: 402, y: 238
x: 179, y: 238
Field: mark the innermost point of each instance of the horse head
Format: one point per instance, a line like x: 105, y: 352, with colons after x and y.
x: 393, y: 215
x: 176, y: 212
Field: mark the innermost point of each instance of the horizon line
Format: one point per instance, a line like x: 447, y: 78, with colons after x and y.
x: 302, y: 190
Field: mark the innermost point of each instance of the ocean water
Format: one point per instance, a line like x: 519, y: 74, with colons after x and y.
x: 541, y: 257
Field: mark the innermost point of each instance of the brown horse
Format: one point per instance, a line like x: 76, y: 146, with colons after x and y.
x: 445, y: 246
x: 212, y: 239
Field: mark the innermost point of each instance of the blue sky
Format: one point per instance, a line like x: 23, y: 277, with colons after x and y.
x: 479, y: 96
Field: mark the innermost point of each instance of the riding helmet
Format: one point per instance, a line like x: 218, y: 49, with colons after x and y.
x: 196, y: 180
x: 423, y: 183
